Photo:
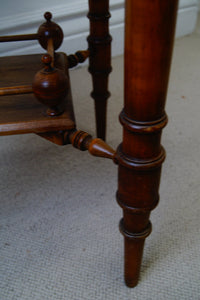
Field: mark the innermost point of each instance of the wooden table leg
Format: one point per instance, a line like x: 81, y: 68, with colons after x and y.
x: 100, y: 59
x: 149, y: 35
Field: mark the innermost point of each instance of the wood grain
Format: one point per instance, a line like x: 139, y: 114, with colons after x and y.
x: 23, y: 113
x: 149, y: 35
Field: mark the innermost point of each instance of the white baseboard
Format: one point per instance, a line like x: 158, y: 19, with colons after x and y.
x: 72, y: 18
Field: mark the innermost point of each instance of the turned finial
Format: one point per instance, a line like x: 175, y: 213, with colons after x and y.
x: 48, y: 16
x: 49, y: 30
x: 50, y: 86
x: 47, y: 59
x: 97, y: 147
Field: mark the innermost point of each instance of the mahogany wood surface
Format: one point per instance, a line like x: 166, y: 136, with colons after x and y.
x: 99, y: 42
x: 50, y: 86
x: 149, y: 35
x: 15, y: 90
x: 24, y: 113
x: 96, y: 147
x: 50, y: 31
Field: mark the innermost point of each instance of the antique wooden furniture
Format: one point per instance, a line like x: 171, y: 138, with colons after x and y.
x: 22, y: 75
x: 149, y: 34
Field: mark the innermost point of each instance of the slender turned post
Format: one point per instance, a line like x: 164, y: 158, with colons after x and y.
x: 99, y: 42
x: 149, y: 35
x: 20, y: 37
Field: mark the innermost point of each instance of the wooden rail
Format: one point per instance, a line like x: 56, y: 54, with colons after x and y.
x: 19, y: 37
x: 16, y: 90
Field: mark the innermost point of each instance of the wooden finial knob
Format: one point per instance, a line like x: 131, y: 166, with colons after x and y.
x: 49, y: 30
x: 48, y: 16
x: 47, y: 59
x: 50, y: 86
x: 97, y: 147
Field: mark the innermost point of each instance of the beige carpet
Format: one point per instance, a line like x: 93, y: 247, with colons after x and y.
x: 59, y: 235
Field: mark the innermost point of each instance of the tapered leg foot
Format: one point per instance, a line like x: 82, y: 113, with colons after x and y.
x: 133, y: 251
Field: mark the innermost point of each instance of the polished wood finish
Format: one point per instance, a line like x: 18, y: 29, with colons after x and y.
x: 15, y: 90
x: 79, y: 57
x: 24, y: 113
x: 99, y: 42
x: 19, y: 37
x: 96, y: 147
x: 50, y: 30
x: 149, y: 34
x: 50, y: 37
x: 47, y: 31
x: 50, y: 86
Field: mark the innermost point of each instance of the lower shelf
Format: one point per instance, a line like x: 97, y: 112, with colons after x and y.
x: 23, y: 113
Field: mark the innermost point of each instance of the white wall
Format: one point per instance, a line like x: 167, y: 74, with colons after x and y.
x: 24, y: 16
x: 187, y: 17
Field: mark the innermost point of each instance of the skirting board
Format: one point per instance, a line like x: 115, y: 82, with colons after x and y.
x: 72, y: 18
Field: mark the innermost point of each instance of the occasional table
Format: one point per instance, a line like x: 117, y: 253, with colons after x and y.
x: 149, y: 36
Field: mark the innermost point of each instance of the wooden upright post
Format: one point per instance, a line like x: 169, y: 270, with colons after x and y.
x: 149, y: 35
x: 99, y: 42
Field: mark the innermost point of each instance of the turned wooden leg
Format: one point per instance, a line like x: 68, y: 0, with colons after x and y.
x: 99, y: 42
x: 149, y: 35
